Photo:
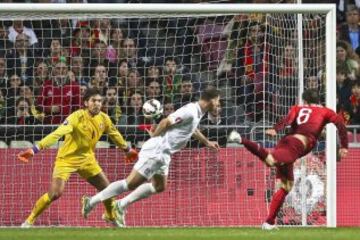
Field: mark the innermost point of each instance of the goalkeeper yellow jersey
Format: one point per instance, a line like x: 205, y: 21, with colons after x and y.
x: 82, y: 131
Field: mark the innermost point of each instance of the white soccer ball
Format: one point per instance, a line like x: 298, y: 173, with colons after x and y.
x: 152, y: 109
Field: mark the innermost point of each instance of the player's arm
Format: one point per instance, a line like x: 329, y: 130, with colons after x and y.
x: 161, y: 128
x: 204, y: 140
x: 339, y: 123
x: 65, y: 128
x: 118, y: 139
x: 286, y: 121
x: 175, y: 118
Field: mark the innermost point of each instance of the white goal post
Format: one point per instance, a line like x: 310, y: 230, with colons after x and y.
x: 32, y: 11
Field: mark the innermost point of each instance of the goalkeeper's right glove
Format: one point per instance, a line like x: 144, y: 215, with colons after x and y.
x: 26, y: 155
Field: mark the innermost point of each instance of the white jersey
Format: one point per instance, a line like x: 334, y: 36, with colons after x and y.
x: 184, y: 122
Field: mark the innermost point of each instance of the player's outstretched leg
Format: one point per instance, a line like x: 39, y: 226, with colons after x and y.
x: 40, y: 206
x: 145, y: 190
x: 253, y: 147
x: 114, y: 189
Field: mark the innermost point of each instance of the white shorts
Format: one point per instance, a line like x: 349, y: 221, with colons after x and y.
x: 152, y: 161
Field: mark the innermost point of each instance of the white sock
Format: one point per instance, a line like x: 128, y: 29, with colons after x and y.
x: 143, y: 191
x: 114, y: 189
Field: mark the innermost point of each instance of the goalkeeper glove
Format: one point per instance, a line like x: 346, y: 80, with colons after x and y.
x: 131, y: 155
x: 26, y: 155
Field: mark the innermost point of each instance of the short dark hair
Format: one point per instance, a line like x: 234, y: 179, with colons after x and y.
x: 209, y: 94
x: 90, y: 92
x: 356, y: 84
x: 311, y: 96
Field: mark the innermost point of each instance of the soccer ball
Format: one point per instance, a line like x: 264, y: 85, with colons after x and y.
x: 152, y: 109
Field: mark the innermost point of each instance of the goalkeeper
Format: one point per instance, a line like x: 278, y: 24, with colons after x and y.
x: 82, y: 129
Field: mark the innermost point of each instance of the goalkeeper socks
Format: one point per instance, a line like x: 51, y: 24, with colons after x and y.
x: 255, y: 149
x: 275, y: 205
x: 114, y: 189
x: 143, y: 191
x: 41, y: 204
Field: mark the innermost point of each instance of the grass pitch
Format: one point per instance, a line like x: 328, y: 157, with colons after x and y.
x: 178, y: 233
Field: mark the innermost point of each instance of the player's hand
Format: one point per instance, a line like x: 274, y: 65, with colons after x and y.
x: 271, y: 132
x: 343, y: 152
x: 131, y: 156
x: 26, y: 155
x: 150, y: 131
x: 213, y: 145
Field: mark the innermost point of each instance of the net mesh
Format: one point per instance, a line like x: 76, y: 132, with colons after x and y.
x: 47, y: 63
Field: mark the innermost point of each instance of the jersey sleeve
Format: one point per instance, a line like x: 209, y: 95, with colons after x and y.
x: 114, y: 133
x: 334, y: 118
x: 65, y: 128
x: 286, y: 120
x: 180, y: 115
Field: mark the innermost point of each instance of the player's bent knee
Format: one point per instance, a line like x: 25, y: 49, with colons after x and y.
x: 55, y: 195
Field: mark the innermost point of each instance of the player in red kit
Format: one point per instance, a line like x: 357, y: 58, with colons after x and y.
x: 307, y: 122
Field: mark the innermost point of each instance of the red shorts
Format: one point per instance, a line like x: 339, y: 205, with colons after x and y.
x: 285, y: 153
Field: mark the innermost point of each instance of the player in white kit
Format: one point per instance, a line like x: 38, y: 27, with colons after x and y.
x: 171, y: 135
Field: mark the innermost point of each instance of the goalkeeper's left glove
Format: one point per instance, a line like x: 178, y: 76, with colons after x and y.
x: 26, y: 155
x: 131, y: 155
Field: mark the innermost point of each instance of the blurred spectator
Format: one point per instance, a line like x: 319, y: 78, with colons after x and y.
x: 113, y: 108
x: 168, y: 108
x: 27, y: 93
x: 343, y: 87
x: 312, y: 82
x: 153, y: 90
x: 114, y: 50
x: 83, y: 89
x: 3, y: 75
x: 130, y: 51
x: 222, y: 115
x: 186, y: 94
x: 172, y: 78
x: 81, y: 43
x: 153, y: 73
x: 57, y: 52
x: 353, y: 106
x: 99, y: 79
x: 101, y: 31
x: 23, y: 114
x: 350, y: 31
x: 347, y: 59
x: 134, y: 115
x: 98, y: 57
x: 21, y: 60
x: 59, y: 97
x: 288, y: 64
x: 41, y: 74
x: 19, y: 28
x: 77, y: 67
x: 5, y: 43
x: 3, y: 108
x: 134, y: 81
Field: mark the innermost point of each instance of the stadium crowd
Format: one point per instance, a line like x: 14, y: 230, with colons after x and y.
x: 46, y: 65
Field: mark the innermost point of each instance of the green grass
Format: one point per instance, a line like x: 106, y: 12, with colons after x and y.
x: 178, y: 233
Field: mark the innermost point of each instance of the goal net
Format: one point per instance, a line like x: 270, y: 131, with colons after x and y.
x: 48, y: 59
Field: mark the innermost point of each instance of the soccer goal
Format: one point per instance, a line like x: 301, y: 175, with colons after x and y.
x: 261, y: 57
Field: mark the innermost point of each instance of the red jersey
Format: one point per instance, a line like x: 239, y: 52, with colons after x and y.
x: 309, y: 120
x: 67, y: 97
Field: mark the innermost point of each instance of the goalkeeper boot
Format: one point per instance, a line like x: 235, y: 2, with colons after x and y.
x: 119, y: 212
x: 268, y: 227
x: 85, y: 206
x: 235, y: 137
x: 26, y: 224
x: 109, y: 220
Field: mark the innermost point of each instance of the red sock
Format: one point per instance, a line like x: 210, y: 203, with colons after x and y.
x: 255, y: 149
x: 275, y: 205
